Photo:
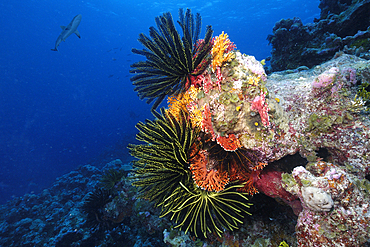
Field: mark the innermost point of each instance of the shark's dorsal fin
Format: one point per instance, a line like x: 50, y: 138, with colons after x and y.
x: 63, y: 27
x: 78, y: 34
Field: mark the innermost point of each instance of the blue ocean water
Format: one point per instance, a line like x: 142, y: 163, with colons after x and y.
x: 59, y: 110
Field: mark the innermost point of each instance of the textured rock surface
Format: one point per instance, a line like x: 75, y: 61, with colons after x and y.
x: 316, y: 199
x: 335, y: 211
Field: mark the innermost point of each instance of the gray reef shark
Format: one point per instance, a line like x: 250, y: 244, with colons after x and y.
x: 67, y: 31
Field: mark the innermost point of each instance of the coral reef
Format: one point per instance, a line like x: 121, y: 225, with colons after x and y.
x: 330, y: 117
x: 173, y: 239
x: 56, y: 217
x: 342, y: 27
x: 240, y: 122
x: 325, y: 112
x: 327, y: 122
x: 294, y: 143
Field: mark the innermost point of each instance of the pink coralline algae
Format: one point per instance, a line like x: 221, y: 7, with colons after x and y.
x: 334, y: 79
x: 259, y: 104
x: 253, y: 66
x: 335, y: 211
x: 326, y: 78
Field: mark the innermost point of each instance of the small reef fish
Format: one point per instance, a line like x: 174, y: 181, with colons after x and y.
x: 67, y: 31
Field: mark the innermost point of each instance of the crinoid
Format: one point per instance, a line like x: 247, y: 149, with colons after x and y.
x: 94, y: 208
x: 201, y: 211
x: 111, y: 178
x: 163, y: 161
x: 163, y: 176
x: 171, y: 60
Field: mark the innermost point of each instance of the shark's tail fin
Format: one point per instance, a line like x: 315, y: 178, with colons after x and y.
x: 55, y: 49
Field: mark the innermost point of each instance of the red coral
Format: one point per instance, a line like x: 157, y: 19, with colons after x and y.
x: 203, y: 80
x: 219, y: 77
x: 259, y: 104
x: 230, y: 143
x: 207, y: 82
x: 197, y: 81
x: 207, y: 122
x: 230, y: 47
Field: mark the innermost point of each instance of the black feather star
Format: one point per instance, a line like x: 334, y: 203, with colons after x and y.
x: 170, y: 58
x: 94, y: 209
